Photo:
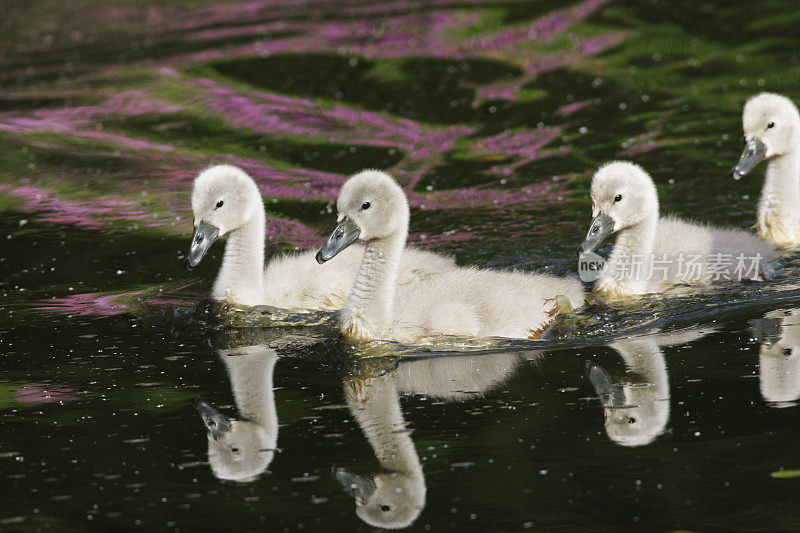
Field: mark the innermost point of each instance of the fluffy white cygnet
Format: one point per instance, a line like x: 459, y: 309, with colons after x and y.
x: 651, y: 253
x: 226, y: 201
x: 467, y: 302
x: 771, y: 125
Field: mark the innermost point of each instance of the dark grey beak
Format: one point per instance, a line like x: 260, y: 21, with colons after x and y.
x: 601, y: 227
x: 343, y: 236
x: 360, y: 487
x: 766, y: 330
x: 754, y: 152
x: 203, y: 237
x: 610, y: 395
x: 216, y: 423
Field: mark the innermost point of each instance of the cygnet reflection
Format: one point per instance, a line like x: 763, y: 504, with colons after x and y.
x: 637, y: 410
x: 395, y: 497
x: 241, y: 449
x: 779, y: 356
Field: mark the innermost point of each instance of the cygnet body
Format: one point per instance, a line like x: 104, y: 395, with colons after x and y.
x: 226, y: 201
x: 771, y: 125
x: 467, y: 302
x: 652, y: 254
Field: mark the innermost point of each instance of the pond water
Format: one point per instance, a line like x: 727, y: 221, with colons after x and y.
x: 126, y: 402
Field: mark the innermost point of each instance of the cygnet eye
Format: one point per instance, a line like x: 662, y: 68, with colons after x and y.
x: 219, y: 204
x: 364, y: 206
x: 631, y: 420
x: 770, y: 125
x: 618, y: 198
x: 385, y: 508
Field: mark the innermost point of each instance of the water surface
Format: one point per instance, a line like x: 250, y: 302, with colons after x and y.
x: 679, y: 412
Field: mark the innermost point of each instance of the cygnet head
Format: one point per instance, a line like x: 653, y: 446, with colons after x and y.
x: 238, y: 450
x: 623, y: 195
x: 771, y: 126
x: 371, y: 206
x: 224, y: 198
x: 390, y: 500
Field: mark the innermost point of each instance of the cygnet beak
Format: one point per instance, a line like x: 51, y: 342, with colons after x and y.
x: 753, y: 153
x: 203, y: 237
x: 601, y: 227
x: 343, y: 236
x: 767, y: 330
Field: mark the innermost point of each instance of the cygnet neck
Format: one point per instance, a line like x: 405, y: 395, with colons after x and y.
x: 368, y: 311
x: 780, y: 196
x: 634, y: 246
x: 242, y: 272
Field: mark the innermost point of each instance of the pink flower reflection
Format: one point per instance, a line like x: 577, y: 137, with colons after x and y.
x: 44, y: 393
x: 83, y: 214
x: 90, y: 303
x: 110, y: 304
x: 161, y: 172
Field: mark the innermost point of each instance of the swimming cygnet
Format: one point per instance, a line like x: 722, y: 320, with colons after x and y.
x: 466, y: 302
x: 652, y: 254
x: 226, y: 201
x: 771, y: 125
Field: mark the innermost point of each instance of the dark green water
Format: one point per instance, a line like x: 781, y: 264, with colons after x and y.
x: 493, y: 118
